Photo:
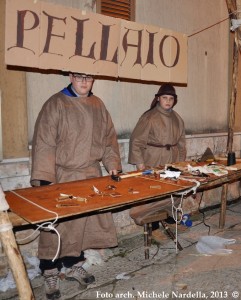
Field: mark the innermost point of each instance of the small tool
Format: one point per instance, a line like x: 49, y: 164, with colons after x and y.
x: 110, y: 187
x: 134, y: 174
x: 147, y: 172
x: 65, y: 197
x: 155, y: 187
x: 96, y: 190
x: 67, y: 205
x: 115, y: 177
x: 115, y: 194
x: 132, y: 191
x: 171, y: 168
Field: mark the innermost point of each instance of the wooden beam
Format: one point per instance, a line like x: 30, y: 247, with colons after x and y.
x: 231, y: 4
x: 232, y: 103
x: 234, y: 7
x: 223, y: 205
x: 12, y: 252
x: 15, y: 259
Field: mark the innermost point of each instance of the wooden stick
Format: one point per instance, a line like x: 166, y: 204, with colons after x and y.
x: 131, y: 175
x: 15, y: 259
x: 232, y: 103
x: 223, y: 206
x: 135, y: 173
x: 13, y: 254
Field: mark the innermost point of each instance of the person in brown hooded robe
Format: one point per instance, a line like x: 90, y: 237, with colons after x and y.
x: 73, y: 134
x: 157, y: 139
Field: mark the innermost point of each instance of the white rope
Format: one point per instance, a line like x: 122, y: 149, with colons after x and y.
x: 176, y: 235
x: 51, y: 227
x: 177, y: 211
x: 192, y: 189
x: 236, y: 23
x: 39, y: 206
x: 48, y: 225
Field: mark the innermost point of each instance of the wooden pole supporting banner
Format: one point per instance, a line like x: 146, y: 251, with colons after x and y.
x: 232, y: 103
x: 12, y: 252
x: 234, y: 13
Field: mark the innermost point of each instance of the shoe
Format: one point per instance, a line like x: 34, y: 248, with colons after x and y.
x: 159, y: 236
x: 51, y: 283
x: 79, y: 274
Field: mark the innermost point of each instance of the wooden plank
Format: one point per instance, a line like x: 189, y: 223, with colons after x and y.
x: 39, y: 204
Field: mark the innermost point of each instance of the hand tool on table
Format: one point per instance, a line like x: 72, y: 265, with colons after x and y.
x: 67, y: 205
x: 134, y: 174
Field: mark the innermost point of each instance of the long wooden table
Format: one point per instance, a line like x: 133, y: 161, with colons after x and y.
x: 41, y: 204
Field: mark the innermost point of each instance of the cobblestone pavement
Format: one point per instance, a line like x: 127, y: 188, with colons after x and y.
x: 124, y: 273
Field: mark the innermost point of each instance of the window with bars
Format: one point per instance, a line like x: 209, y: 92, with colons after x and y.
x: 123, y: 9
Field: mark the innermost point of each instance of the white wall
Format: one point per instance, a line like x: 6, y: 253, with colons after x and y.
x: 203, y: 103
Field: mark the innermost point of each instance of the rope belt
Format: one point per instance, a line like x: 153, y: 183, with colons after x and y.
x: 167, y: 146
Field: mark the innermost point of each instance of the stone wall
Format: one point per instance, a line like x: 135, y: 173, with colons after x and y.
x: 15, y: 173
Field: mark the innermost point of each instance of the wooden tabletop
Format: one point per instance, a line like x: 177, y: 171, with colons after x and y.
x: 40, y: 204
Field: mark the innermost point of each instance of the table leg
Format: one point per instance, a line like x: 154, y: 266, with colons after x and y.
x: 223, y: 206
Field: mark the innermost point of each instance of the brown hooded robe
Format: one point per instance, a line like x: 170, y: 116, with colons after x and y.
x: 158, y: 127
x: 72, y: 135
